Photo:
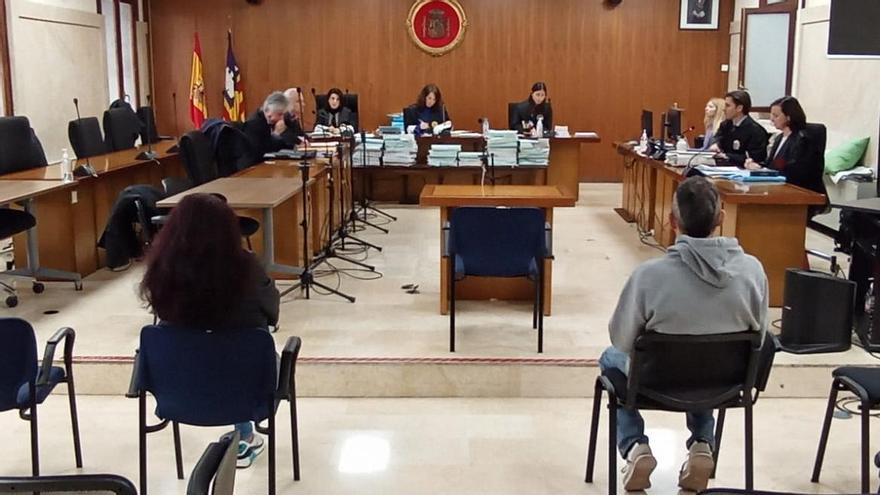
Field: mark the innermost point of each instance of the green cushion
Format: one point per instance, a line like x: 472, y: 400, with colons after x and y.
x: 845, y: 156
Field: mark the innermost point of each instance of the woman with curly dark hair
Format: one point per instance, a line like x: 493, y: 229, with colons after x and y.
x: 199, y: 276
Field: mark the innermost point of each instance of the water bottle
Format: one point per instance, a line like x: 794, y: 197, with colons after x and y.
x: 485, y: 126
x: 643, y: 142
x: 681, y: 144
x: 539, y: 127
x: 66, y: 169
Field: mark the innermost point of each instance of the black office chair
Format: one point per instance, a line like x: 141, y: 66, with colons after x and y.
x: 511, y: 114
x: 14, y: 222
x: 201, y: 167
x: 864, y: 383
x: 662, y: 377
x: 20, y: 149
x: 121, y: 128
x: 90, y: 484
x: 214, y: 474
x: 85, y: 137
x: 409, y: 117
x: 148, y: 131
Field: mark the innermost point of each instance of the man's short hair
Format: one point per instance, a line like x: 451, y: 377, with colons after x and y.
x: 741, y: 97
x: 696, y: 207
x: 275, y: 102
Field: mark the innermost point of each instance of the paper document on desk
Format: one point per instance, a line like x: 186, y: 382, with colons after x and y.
x: 586, y: 135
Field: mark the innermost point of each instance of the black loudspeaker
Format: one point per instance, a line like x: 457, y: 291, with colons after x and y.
x: 817, y: 312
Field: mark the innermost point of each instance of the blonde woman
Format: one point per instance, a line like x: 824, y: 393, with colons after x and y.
x: 713, y: 118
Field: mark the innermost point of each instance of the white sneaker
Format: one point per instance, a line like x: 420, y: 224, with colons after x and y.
x: 248, y: 451
x: 697, y: 469
x: 640, y: 463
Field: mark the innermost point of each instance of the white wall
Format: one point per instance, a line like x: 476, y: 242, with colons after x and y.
x: 56, y: 54
x: 841, y: 93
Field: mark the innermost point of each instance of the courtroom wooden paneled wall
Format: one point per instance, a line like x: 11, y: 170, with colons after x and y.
x: 602, y: 65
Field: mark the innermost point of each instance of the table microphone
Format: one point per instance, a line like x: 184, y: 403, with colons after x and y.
x: 82, y: 170
x: 174, y: 148
x: 149, y: 154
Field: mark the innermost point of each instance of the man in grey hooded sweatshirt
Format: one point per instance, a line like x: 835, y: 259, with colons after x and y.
x: 703, y: 285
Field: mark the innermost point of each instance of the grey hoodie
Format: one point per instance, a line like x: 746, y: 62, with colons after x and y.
x: 702, y: 286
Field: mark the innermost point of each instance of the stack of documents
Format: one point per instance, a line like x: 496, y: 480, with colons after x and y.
x: 466, y: 134
x: 534, y: 152
x: 369, y: 153
x: 738, y: 174
x: 397, y: 121
x: 470, y: 159
x: 502, y: 146
x: 443, y: 155
x: 400, y: 149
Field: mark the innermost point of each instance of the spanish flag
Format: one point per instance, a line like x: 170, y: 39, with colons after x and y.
x: 233, y: 94
x: 198, y: 107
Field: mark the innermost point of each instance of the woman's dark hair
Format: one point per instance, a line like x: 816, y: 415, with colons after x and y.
x: 792, y: 109
x: 197, y: 270
x: 428, y: 89
x: 538, y: 86
x: 338, y: 93
x: 741, y: 97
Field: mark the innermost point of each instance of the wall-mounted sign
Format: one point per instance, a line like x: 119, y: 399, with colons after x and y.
x: 436, y: 26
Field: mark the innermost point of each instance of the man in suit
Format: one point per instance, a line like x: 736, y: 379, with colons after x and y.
x: 262, y: 127
x: 739, y: 136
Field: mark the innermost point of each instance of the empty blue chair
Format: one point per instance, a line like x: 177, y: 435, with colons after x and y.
x: 498, y: 242
x: 213, y: 378
x: 24, y: 384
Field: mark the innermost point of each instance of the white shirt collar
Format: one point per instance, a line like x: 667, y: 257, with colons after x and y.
x: 738, y: 121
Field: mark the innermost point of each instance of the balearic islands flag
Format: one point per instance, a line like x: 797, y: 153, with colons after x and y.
x: 233, y: 95
x: 198, y: 107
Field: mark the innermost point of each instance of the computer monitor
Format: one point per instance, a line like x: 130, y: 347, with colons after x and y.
x: 673, y: 123
x: 648, y: 123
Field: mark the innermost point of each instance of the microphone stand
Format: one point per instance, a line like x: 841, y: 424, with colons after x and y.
x: 175, y: 148
x: 307, y: 278
x: 364, y: 203
x: 149, y: 154
x: 330, y: 250
x: 82, y: 170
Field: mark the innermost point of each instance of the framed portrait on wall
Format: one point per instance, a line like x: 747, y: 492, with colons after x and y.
x: 699, y: 14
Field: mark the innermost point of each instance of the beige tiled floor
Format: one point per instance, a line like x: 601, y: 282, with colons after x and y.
x: 444, y: 446
x: 595, y: 252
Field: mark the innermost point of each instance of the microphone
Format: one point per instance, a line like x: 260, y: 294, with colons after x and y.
x: 689, y: 129
x: 174, y: 148
x: 82, y: 170
x: 149, y: 154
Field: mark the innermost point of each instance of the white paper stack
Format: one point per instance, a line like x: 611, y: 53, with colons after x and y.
x: 400, y: 149
x: 373, y: 148
x: 535, y: 152
x: 502, y: 144
x: 470, y: 159
x: 443, y: 155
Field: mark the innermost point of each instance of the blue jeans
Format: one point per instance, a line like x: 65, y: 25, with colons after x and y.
x: 245, y: 430
x: 631, y: 426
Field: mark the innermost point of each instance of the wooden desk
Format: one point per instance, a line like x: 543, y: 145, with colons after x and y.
x: 76, y: 216
x: 448, y: 197
x: 248, y: 193
x: 403, y: 184
x: 769, y: 220
x: 24, y: 192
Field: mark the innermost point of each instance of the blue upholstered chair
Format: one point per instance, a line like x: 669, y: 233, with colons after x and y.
x: 213, y: 378
x: 498, y: 242
x: 24, y: 384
